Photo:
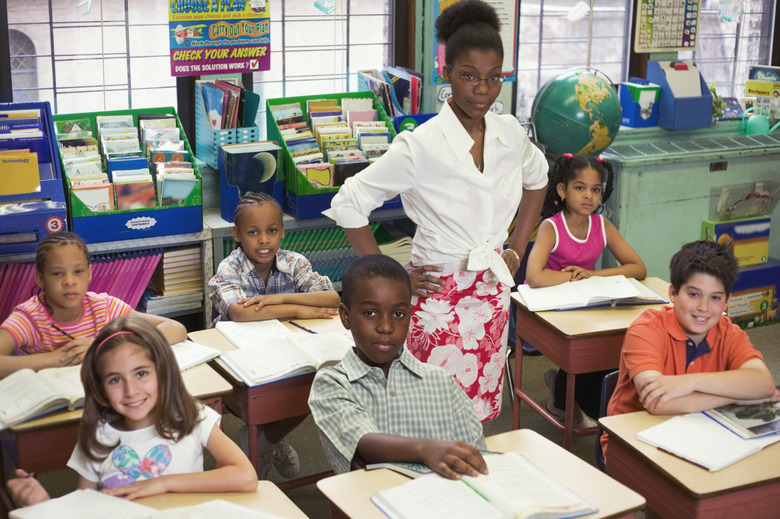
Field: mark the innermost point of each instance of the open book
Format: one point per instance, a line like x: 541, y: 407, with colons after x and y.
x: 515, y: 487
x: 702, y: 441
x: 25, y: 394
x: 84, y: 504
x: 593, y: 291
x: 190, y: 354
x: 407, y: 468
x: 748, y: 421
x: 286, y: 356
x: 249, y: 334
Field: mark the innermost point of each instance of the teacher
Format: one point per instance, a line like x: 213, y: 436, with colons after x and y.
x: 463, y: 176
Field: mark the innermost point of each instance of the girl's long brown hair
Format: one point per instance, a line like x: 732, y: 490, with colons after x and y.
x: 176, y: 413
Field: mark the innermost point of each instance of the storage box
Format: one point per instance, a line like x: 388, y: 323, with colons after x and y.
x: 754, y: 297
x: 302, y: 199
x: 136, y: 223
x: 679, y: 113
x: 639, y: 103
x: 744, y: 200
x: 208, y: 140
x: 749, y: 237
x: 25, y: 218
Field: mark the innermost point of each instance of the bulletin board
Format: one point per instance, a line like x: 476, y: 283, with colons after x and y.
x: 667, y: 25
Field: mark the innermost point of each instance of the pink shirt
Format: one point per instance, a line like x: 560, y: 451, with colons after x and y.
x: 569, y: 250
x: 34, y: 330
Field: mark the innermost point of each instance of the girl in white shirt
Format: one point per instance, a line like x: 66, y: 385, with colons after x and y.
x: 463, y: 177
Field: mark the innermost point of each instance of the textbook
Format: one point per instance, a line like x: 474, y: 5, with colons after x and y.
x: 748, y: 421
x: 700, y: 440
x: 25, y: 394
x: 84, y: 504
x: 249, y: 334
x: 593, y: 291
x: 515, y: 487
x: 190, y: 354
x: 281, y: 357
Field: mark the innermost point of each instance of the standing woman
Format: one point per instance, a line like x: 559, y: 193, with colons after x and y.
x: 463, y: 176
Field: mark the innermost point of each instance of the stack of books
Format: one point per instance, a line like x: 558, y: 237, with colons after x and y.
x: 177, y: 283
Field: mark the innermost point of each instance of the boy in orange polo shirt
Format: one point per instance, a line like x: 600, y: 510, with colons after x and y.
x: 690, y: 357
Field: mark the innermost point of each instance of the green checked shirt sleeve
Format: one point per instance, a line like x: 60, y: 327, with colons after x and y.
x: 416, y: 400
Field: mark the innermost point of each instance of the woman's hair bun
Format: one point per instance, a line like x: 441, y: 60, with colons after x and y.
x: 464, y: 12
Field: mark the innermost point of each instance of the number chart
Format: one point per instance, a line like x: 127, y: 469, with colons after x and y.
x: 667, y: 25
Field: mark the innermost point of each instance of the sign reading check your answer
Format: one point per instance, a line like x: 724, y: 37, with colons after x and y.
x: 219, y: 36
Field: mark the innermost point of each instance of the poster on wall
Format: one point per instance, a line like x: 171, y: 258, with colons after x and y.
x: 219, y: 36
x: 507, y: 15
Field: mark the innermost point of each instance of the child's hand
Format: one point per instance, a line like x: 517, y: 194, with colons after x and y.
x: 138, y: 489
x: 25, y: 490
x: 316, y: 312
x: 261, y: 301
x: 661, y: 390
x: 577, y: 272
x: 424, y: 280
x: 453, y: 459
x: 72, y: 353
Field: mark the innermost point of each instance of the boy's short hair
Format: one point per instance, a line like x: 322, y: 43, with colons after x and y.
x: 372, y: 266
x: 706, y: 257
x: 254, y: 199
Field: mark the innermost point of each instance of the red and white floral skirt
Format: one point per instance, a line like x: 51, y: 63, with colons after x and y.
x: 464, y: 329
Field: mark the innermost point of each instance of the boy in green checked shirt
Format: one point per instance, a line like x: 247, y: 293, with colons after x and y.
x: 381, y: 404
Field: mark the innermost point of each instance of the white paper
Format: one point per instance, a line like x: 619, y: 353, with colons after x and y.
x: 246, y: 335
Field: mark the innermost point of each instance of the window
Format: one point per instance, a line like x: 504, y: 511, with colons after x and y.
x: 317, y: 53
x: 549, y: 44
x: 727, y: 48
x: 91, y: 56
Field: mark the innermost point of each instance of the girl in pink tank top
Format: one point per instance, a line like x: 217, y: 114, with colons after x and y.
x: 568, y: 244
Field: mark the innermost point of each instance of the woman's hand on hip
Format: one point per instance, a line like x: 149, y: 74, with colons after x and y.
x: 425, y: 279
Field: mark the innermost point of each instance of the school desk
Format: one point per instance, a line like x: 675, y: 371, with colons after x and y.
x: 350, y: 493
x: 579, y: 341
x: 271, y: 402
x: 267, y: 499
x: 675, y: 488
x: 46, y: 443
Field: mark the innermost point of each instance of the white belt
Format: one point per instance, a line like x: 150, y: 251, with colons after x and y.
x: 486, y: 258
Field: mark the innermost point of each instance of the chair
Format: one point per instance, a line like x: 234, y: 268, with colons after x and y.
x: 607, y: 388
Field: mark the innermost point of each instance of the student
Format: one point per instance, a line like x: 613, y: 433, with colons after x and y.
x: 141, y: 433
x: 690, y: 357
x: 464, y: 176
x: 260, y: 281
x: 382, y: 404
x: 568, y: 244
x: 55, y: 327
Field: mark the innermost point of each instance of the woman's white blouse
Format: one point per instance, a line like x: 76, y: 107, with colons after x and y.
x: 462, y: 215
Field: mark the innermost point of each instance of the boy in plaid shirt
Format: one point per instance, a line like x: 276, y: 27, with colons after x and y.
x: 382, y: 404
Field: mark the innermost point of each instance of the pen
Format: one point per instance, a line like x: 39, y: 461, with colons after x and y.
x: 63, y: 332
x: 301, y: 327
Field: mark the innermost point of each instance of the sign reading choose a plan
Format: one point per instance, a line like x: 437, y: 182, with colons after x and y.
x: 219, y: 36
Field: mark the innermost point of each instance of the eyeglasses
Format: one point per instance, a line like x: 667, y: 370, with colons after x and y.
x: 472, y: 80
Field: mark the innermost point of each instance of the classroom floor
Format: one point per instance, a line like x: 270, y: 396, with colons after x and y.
x: 306, y: 441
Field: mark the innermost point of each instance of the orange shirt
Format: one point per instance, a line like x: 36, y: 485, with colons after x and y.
x: 655, y: 341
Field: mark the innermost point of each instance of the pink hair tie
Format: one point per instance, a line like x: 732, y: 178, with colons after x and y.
x: 600, y: 159
x: 568, y: 155
x: 125, y: 332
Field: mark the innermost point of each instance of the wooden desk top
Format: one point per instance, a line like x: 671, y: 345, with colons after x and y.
x: 201, y: 381
x: 352, y: 491
x: 267, y: 498
x: 599, y: 320
x: 754, y: 470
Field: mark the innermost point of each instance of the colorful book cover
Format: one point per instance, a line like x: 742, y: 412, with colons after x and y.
x: 134, y: 195
x: 213, y: 100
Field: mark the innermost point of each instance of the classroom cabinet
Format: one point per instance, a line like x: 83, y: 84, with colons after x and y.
x: 663, y: 181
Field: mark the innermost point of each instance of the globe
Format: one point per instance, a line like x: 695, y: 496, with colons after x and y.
x: 576, y: 112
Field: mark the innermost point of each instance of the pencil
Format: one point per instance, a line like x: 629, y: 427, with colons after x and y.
x: 301, y: 327
x: 63, y: 332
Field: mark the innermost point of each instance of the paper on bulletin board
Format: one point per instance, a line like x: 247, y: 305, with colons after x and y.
x: 216, y: 37
x: 507, y: 11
